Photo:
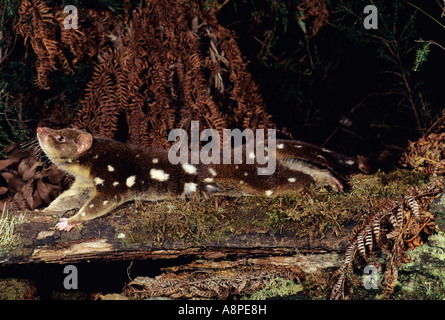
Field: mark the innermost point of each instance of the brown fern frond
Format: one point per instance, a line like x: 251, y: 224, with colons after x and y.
x: 315, y: 15
x: 168, y: 74
x: 427, y: 153
x: 158, y: 68
x: 399, y: 226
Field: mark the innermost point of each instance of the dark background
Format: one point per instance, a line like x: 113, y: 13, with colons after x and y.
x: 343, y: 87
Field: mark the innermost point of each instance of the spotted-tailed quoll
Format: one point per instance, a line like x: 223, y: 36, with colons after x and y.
x: 108, y: 173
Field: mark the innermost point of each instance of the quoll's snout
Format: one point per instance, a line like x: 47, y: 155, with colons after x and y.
x: 41, y: 133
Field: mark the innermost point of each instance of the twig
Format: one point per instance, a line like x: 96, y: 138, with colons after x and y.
x: 431, y: 42
x: 393, y: 50
x: 221, y: 5
x: 265, y: 46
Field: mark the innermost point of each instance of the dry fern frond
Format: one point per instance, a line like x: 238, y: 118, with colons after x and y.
x: 157, y: 68
x: 56, y: 47
x: 428, y: 153
x: 315, y: 15
x: 170, y: 64
x: 209, y: 284
x: 399, y: 226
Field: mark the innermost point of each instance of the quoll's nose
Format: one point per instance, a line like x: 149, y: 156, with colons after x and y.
x: 42, y: 130
x: 42, y: 133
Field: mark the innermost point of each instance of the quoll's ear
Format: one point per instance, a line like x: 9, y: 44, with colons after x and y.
x: 84, y: 142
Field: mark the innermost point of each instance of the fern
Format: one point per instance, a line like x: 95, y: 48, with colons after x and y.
x: 399, y: 226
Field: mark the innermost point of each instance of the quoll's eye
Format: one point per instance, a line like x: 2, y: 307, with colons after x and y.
x: 61, y: 138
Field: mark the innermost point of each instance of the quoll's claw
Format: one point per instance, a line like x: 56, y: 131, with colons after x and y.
x: 64, y: 225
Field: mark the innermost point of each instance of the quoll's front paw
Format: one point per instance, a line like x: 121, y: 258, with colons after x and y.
x: 64, y: 225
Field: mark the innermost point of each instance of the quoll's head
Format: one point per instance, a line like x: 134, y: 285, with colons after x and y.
x: 64, y: 144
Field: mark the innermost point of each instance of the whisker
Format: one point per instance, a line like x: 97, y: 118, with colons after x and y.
x: 46, y: 162
x: 31, y: 148
x: 29, y: 144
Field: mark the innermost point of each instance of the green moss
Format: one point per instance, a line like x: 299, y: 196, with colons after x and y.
x: 276, y: 288
x: 317, y: 285
x: 193, y: 220
x: 423, y: 277
x: 16, y: 289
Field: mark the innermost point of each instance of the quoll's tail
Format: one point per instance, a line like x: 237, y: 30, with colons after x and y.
x: 298, y: 164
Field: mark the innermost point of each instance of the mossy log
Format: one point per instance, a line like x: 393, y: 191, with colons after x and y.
x: 172, y: 229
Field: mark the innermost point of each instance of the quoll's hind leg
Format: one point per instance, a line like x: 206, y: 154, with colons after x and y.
x: 97, y: 206
x: 321, y: 177
x: 287, y: 181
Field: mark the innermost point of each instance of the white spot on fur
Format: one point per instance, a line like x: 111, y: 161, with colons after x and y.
x: 280, y: 146
x: 91, y: 206
x: 98, y: 181
x: 190, y: 169
x: 350, y: 162
x: 241, y: 182
x: 268, y: 193
x: 130, y: 181
x: 326, y: 150
x: 158, y: 174
x: 96, y: 156
x: 208, y: 180
x: 212, y: 171
x: 105, y: 203
x: 298, y: 146
x: 110, y: 168
x: 189, y: 187
x: 155, y: 160
x: 291, y: 179
x: 115, y: 183
x: 246, y: 174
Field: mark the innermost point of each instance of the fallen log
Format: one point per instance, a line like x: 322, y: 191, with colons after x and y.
x: 132, y: 233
